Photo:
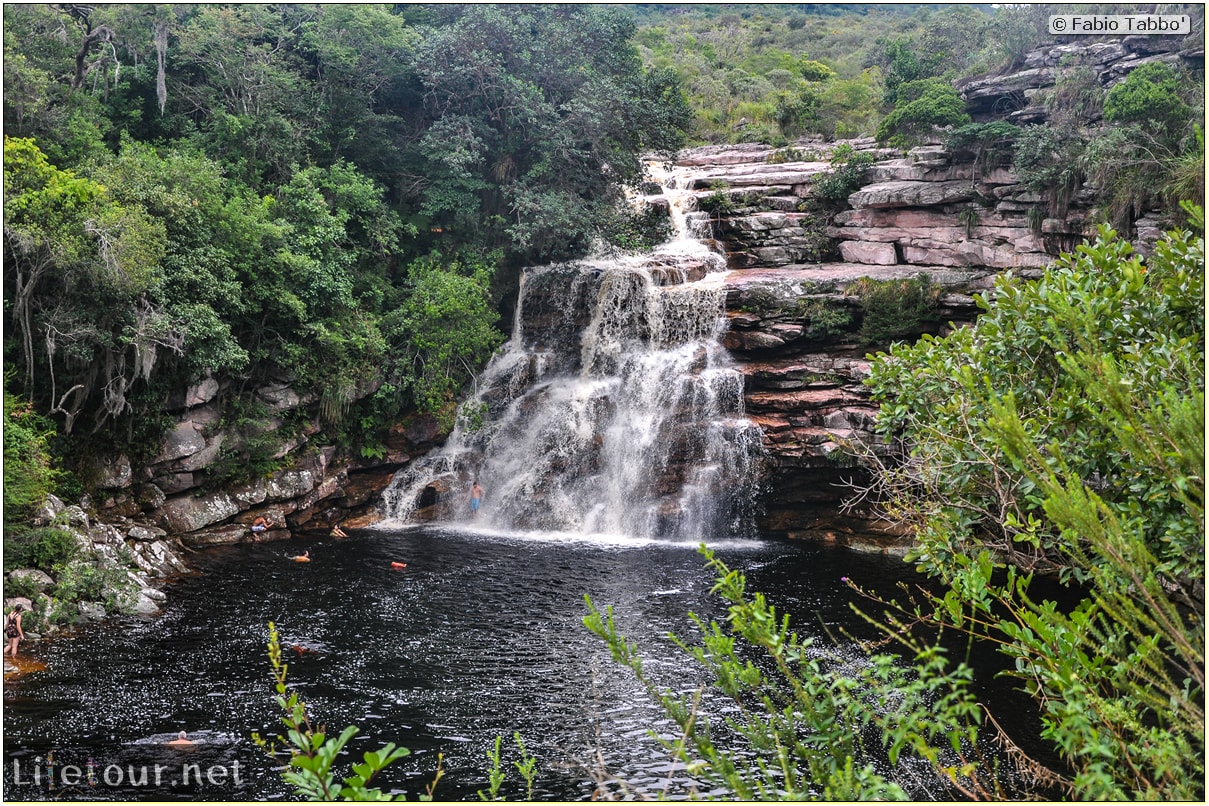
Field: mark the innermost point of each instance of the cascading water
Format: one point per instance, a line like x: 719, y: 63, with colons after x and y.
x: 612, y: 410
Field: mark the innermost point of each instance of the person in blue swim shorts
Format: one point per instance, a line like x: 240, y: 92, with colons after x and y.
x: 476, y: 498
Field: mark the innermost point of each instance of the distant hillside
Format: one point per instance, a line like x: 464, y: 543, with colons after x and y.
x: 773, y: 73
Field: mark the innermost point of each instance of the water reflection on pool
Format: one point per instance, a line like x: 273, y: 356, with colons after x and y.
x: 480, y: 635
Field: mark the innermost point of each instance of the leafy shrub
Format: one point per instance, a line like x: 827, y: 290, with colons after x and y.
x: 847, y: 173
x: 719, y: 202
x: 1100, y: 301
x: 990, y: 144
x: 44, y: 548
x: 88, y: 581
x: 1149, y: 95
x: 29, y: 473
x: 895, y: 308
x: 1077, y: 98
x: 807, y: 714
x: 637, y: 230
x: 1064, y: 430
x: 923, y: 107
x: 823, y: 321
x: 1051, y: 161
x: 1062, y: 365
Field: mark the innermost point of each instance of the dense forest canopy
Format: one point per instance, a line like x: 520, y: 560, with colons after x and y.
x: 341, y: 196
x: 333, y: 195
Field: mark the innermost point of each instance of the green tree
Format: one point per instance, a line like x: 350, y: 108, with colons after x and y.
x: 902, y: 65
x: 442, y: 332
x: 921, y: 108
x: 79, y: 265
x: 539, y: 117
x: 238, y: 69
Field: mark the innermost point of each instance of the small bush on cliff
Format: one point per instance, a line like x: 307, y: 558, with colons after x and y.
x: 895, y: 308
x: 845, y: 176
x: 989, y: 144
x: 1049, y: 161
x: 1149, y: 95
x: 923, y: 107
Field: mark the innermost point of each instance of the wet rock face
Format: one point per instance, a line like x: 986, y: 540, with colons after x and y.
x: 175, y: 494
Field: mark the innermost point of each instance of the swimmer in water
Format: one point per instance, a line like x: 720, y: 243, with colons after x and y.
x: 182, y: 741
x: 304, y: 557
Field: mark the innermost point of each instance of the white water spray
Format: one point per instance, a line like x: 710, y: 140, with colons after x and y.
x: 613, y: 410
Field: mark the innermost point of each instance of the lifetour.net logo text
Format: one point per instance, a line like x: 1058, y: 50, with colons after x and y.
x: 52, y: 774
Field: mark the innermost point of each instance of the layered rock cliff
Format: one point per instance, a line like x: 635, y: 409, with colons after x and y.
x: 814, y: 290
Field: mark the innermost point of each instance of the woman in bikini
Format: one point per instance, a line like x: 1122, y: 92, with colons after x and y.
x: 13, y: 633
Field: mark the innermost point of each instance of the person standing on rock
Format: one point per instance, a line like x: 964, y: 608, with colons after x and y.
x: 13, y: 633
x: 476, y: 498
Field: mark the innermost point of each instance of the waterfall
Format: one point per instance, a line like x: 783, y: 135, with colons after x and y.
x: 612, y: 409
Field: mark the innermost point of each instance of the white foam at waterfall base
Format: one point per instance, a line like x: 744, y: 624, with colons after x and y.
x: 612, y: 412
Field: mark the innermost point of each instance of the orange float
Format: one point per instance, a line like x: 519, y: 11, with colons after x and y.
x: 398, y: 565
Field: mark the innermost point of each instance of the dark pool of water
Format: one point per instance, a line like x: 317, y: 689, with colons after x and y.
x: 479, y: 636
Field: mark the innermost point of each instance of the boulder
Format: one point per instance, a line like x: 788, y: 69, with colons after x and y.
x: 14, y: 601
x: 48, y: 511
x: 289, y: 484
x: 252, y: 493
x: 171, y: 483
x: 203, y: 457
x: 279, y: 397
x: 189, y: 513
x: 150, y: 496
x: 225, y: 535
x: 31, y: 577
x: 91, y: 611
x: 157, y: 559
x: 361, y: 488
x: 200, y: 393
x: 183, y: 440
x: 115, y: 474
x: 75, y: 516
x: 906, y: 193
x: 268, y: 536
x: 880, y: 254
